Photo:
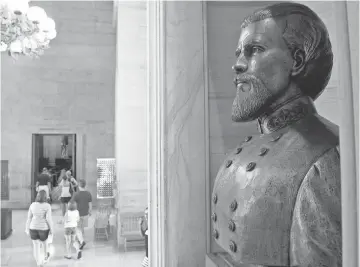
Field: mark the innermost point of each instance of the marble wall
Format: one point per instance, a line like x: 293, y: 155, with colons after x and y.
x: 70, y: 89
x: 185, y: 142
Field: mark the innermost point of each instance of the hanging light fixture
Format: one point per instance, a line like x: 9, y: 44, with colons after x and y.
x: 25, y: 30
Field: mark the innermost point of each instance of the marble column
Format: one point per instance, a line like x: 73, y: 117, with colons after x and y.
x: 185, y: 134
x: 131, y: 111
x: 180, y: 163
x: 349, y: 180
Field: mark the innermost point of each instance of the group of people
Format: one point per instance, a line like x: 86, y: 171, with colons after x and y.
x: 76, y: 206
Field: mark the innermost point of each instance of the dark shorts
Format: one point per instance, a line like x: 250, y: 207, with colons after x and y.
x: 65, y: 199
x: 41, y: 235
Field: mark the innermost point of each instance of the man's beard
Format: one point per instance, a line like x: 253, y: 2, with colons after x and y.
x: 248, y: 106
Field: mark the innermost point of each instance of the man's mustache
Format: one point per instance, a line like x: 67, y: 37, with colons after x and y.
x: 244, y: 78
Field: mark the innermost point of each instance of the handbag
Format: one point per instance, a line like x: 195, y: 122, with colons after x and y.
x: 55, y: 193
x: 71, y: 189
x: 50, y: 238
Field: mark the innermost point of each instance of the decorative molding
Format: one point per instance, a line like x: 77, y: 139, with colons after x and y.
x: 115, y: 13
x: 349, y: 184
x: 244, y: 3
x: 54, y: 130
x: 207, y: 128
x: 157, y: 198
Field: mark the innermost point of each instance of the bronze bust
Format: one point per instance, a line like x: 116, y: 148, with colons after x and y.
x: 276, y: 199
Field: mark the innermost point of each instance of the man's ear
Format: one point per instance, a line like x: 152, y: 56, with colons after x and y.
x: 299, y: 62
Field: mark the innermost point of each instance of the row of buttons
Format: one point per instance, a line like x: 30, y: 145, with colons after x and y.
x: 232, y: 244
x: 251, y: 166
x: 233, y: 206
x: 262, y: 152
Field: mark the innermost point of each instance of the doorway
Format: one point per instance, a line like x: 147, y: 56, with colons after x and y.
x: 54, y: 152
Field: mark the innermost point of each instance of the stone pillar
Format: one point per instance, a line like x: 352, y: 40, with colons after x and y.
x: 185, y: 134
x: 178, y: 97
x: 131, y: 110
x: 349, y: 180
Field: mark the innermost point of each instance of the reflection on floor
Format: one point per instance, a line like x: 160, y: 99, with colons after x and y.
x: 16, y: 251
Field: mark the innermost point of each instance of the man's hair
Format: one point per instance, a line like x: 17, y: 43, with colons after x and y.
x: 82, y: 183
x: 72, y: 205
x: 41, y: 196
x: 304, y: 31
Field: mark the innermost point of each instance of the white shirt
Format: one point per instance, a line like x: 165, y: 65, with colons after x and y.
x: 39, y: 216
x: 65, y: 187
x: 71, y: 218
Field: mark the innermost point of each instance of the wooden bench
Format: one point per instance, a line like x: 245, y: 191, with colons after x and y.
x: 130, y: 230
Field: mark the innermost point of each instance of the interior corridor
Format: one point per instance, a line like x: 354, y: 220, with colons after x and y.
x: 16, y: 251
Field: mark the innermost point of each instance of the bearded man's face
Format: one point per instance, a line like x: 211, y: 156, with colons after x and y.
x: 262, y: 70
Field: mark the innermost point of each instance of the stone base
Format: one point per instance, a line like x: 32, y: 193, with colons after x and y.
x: 6, y: 223
x: 5, y: 259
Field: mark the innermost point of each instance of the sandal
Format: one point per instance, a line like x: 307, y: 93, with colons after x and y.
x: 82, y: 245
x: 47, y: 257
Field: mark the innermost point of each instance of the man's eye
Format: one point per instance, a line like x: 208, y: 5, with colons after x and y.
x: 256, y: 49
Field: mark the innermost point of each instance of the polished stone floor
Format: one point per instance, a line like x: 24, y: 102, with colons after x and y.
x: 16, y: 251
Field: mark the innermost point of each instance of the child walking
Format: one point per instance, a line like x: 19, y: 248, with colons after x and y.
x: 72, y: 233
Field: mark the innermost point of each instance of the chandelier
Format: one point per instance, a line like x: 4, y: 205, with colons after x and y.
x: 25, y: 30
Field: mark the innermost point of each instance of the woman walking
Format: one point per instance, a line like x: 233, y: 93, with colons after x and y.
x: 39, y: 225
x: 67, y: 185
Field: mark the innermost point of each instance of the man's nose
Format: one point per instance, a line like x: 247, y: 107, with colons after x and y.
x: 239, y: 67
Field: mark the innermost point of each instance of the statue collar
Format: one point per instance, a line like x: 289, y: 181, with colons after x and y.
x: 286, y: 114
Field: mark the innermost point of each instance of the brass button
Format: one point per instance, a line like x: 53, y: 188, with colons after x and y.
x: 233, y: 205
x: 248, y: 138
x: 215, y: 234
x: 276, y: 138
x: 215, y: 198
x: 232, y: 246
x: 263, y: 151
x: 228, y: 164
x: 214, y: 217
x: 238, y: 150
x: 232, y: 226
x: 250, y: 166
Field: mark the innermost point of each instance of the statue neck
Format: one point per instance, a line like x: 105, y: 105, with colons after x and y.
x: 286, y: 113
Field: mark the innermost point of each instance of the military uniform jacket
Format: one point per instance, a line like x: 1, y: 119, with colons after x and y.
x: 276, y: 198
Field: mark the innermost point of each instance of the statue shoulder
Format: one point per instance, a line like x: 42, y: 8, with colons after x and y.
x: 318, y: 206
